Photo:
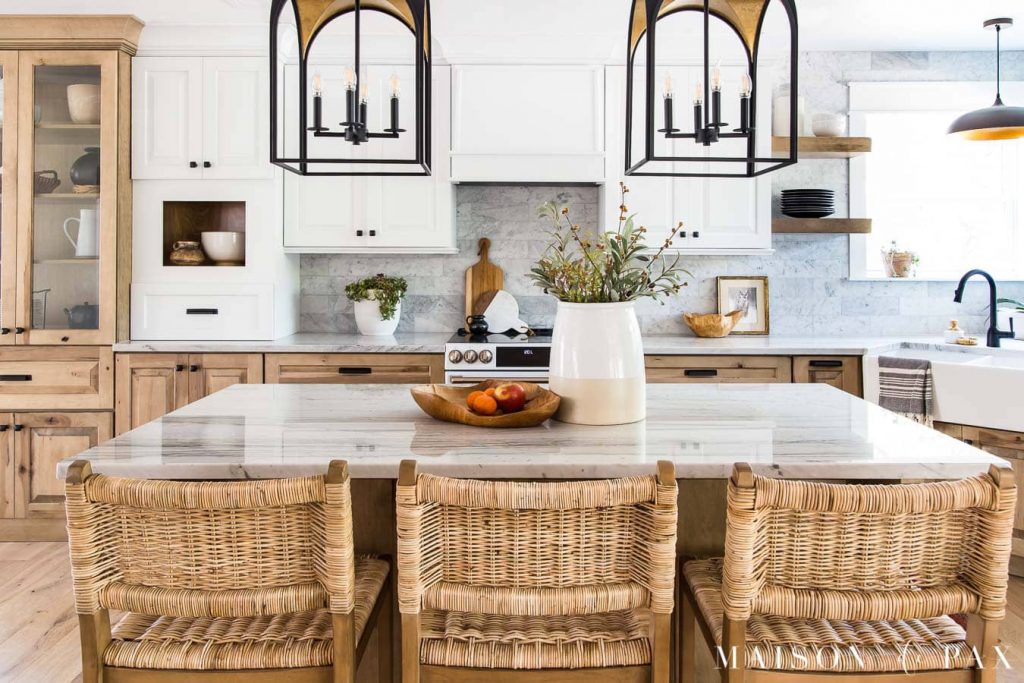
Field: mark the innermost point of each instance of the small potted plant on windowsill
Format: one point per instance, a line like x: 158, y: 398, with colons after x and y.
x: 899, y: 262
x: 377, y: 302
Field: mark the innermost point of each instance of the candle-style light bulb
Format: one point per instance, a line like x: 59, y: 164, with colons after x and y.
x: 393, y: 82
x: 745, y: 86
x: 364, y: 93
x: 698, y: 93
x: 668, y: 85
x: 716, y: 78
x: 350, y: 78
x: 317, y: 85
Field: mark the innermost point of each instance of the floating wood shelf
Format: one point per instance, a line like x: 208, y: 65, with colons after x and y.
x: 824, y: 148
x: 822, y: 225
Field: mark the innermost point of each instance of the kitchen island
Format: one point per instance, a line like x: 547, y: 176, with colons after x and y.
x: 783, y: 430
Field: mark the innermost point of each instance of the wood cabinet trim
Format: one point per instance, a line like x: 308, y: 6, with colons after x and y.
x: 847, y: 376
x: 324, y: 368
x: 50, y: 366
x: 7, y: 466
x: 727, y: 369
x: 9, y: 217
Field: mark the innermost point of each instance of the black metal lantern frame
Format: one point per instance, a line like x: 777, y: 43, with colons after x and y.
x: 746, y: 19
x: 312, y: 16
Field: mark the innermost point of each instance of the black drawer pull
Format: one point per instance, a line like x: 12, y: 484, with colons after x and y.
x: 826, y: 363
x: 193, y: 368
x: 355, y: 371
x: 5, y: 330
x: 15, y: 378
x: 202, y: 311
x: 19, y: 330
x: 193, y: 164
x: 179, y: 367
x: 4, y: 428
x: 700, y: 372
x: 18, y: 428
x: 207, y: 164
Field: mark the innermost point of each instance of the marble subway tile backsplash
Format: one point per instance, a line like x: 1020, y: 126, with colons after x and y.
x: 809, y: 292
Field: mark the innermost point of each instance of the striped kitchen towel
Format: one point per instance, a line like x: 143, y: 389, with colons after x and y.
x: 905, y: 387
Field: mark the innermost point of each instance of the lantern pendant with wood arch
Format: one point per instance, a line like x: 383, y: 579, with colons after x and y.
x: 704, y: 144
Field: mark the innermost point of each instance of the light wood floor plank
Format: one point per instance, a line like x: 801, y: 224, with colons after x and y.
x: 39, y: 634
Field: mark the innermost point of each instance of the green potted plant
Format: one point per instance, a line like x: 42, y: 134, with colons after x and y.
x: 597, y: 356
x: 899, y: 262
x: 377, y: 302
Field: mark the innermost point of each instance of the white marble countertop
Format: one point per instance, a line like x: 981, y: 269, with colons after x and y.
x: 784, y: 430
x: 433, y: 342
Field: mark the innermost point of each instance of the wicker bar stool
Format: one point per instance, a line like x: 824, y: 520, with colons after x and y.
x: 853, y: 581
x: 530, y: 581
x: 251, y: 581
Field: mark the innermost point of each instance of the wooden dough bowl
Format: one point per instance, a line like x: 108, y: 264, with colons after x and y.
x: 713, y: 324
x: 448, y: 403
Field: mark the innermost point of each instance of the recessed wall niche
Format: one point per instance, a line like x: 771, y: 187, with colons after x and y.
x: 186, y: 221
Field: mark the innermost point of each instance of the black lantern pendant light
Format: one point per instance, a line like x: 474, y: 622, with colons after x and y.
x: 707, y: 130
x: 998, y: 122
x: 295, y: 125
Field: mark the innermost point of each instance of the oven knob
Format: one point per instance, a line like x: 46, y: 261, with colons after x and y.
x: 486, y: 356
x: 455, y: 355
x: 470, y: 356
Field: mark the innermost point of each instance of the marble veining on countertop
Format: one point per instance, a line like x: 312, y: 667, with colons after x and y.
x: 303, y: 342
x: 784, y: 430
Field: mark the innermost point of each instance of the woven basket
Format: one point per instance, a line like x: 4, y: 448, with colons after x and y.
x: 713, y: 324
x: 46, y: 182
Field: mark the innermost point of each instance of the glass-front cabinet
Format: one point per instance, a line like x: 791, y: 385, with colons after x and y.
x: 59, y: 194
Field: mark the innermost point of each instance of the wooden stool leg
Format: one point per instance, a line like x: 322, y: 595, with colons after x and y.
x: 410, y: 648
x: 385, y: 636
x: 983, y: 636
x: 687, y: 640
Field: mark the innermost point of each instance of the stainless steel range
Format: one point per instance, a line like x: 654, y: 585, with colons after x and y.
x: 472, y: 359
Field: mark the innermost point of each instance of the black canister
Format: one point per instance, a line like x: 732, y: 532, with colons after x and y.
x: 476, y: 325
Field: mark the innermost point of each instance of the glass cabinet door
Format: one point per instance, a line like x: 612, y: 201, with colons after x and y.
x: 8, y: 194
x: 68, y: 178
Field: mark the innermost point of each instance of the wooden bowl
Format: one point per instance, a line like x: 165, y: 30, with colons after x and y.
x: 713, y: 324
x: 448, y: 403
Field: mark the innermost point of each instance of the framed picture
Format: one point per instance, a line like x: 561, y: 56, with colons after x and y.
x: 749, y: 294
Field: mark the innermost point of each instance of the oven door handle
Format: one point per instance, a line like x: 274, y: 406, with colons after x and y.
x: 459, y: 379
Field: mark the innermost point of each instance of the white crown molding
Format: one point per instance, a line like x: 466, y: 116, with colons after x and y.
x: 239, y: 40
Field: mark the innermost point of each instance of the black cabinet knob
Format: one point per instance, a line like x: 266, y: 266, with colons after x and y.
x: 5, y: 330
x: 3, y: 428
x: 359, y: 233
x: 193, y: 368
x: 373, y: 233
x: 207, y: 164
x: 682, y: 233
x: 18, y: 428
x: 179, y: 367
x: 696, y: 233
x: 19, y: 330
x: 193, y: 164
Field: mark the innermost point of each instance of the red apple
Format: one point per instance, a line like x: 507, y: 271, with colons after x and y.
x: 510, y: 397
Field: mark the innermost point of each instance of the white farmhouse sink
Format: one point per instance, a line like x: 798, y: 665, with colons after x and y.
x: 970, y: 388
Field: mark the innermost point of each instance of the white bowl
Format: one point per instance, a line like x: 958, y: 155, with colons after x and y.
x: 828, y: 125
x: 84, y: 103
x: 224, y: 247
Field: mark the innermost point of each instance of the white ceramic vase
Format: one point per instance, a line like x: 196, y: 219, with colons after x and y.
x: 597, y: 364
x: 369, y: 320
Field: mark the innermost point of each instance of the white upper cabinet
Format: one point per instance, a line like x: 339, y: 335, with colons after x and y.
x: 528, y: 123
x: 719, y: 215
x: 379, y: 214
x: 200, y: 117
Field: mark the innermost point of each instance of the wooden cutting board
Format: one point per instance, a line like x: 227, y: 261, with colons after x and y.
x: 481, y: 278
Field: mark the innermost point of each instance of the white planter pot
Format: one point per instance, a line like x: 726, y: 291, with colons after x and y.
x: 597, y: 364
x: 368, y: 318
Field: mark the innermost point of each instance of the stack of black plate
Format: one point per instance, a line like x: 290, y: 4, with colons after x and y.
x: 808, y: 203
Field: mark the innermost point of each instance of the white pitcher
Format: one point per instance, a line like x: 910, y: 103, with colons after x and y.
x: 86, y: 245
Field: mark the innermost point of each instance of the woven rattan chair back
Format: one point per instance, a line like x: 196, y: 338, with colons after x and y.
x: 218, y: 549
x: 536, y: 548
x: 837, y: 551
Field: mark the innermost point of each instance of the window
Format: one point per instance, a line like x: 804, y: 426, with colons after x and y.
x: 957, y: 204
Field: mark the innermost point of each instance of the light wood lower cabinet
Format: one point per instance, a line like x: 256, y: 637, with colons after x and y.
x: 1009, y: 446
x: 841, y: 372
x: 150, y: 385
x: 718, y: 369
x: 354, y: 368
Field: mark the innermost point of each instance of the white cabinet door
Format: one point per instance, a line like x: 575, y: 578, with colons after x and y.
x: 235, y: 118
x: 167, y: 135
x: 324, y: 213
x: 719, y: 215
x: 537, y: 123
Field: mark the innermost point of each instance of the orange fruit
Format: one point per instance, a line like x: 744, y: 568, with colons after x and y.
x: 485, y: 405
x: 490, y: 392
x: 473, y: 396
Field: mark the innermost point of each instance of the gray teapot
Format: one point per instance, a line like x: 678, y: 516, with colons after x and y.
x: 83, y: 316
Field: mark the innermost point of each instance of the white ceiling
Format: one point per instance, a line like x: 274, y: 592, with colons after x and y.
x: 600, y: 25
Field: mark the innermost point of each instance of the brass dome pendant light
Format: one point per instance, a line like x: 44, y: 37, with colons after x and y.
x: 1000, y: 121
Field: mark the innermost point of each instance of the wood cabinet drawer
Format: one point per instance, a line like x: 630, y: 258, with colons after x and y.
x: 353, y: 368
x: 841, y: 372
x: 718, y: 369
x: 74, y: 378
